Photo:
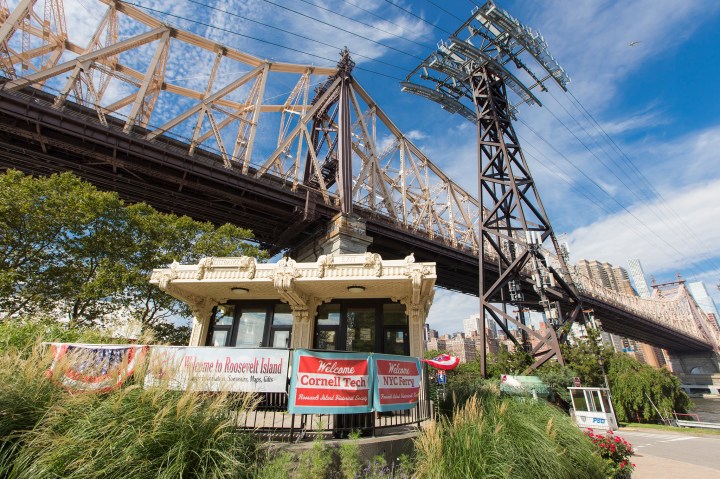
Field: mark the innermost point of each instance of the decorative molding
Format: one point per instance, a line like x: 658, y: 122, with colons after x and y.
x: 167, y: 276
x: 204, y: 265
x: 374, y: 261
x: 416, y: 272
x: 247, y: 266
x: 284, y: 276
x: 323, y: 262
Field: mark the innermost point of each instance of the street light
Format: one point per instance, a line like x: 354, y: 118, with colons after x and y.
x: 601, y: 362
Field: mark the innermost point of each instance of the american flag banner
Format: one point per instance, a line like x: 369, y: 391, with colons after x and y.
x: 444, y: 362
x: 94, y: 368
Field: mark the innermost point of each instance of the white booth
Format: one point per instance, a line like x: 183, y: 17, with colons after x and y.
x: 593, y: 408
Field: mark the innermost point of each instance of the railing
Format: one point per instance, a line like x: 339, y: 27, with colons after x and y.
x: 270, y: 418
x: 679, y: 312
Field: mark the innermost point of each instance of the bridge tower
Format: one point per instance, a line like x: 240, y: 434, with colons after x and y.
x: 472, y: 73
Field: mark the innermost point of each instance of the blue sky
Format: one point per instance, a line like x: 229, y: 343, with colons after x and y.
x: 657, y: 198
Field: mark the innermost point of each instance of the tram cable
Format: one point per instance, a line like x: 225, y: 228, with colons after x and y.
x: 363, y: 23
x: 577, y: 104
x: 597, y: 185
x: 699, y: 238
x: 226, y: 12
x: 225, y: 30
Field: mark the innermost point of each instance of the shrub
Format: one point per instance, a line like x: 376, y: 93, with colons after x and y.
x: 506, y: 438
x: 349, y: 452
x: 315, y: 463
x: 279, y: 465
x: 379, y: 468
x: 138, y: 433
x: 616, y: 451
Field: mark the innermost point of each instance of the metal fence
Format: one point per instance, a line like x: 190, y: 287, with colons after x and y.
x: 271, y: 419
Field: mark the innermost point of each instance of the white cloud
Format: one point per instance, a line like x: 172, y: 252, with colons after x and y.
x: 670, y: 243
x: 591, y: 38
x: 415, y: 135
x: 449, y: 309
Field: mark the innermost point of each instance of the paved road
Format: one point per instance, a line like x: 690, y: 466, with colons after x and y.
x: 663, y: 454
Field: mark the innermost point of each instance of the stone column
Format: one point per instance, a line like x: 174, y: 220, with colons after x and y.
x: 345, y: 235
x: 417, y: 318
x: 302, y: 329
x: 201, y: 310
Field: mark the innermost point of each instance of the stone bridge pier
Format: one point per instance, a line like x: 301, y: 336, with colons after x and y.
x: 699, y: 373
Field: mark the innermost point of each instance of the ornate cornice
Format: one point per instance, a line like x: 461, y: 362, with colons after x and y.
x: 247, y: 267
x: 374, y: 261
x: 324, y: 262
x: 204, y: 265
x: 284, y: 276
x: 167, y: 276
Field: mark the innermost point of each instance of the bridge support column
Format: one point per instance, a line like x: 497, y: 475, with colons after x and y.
x: 695, y: 363
x: 345, y: 235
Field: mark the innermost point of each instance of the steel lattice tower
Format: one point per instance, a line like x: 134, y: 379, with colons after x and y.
x: 470, y: 75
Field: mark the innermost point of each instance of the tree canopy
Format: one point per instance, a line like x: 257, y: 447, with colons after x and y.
x: 69, y: 249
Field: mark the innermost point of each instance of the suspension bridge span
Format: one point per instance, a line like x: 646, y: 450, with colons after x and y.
x: 281, y: 161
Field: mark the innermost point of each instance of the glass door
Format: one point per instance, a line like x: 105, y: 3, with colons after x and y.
x: 361, y: 324
x: 395, y: 341
x: 327, y: 328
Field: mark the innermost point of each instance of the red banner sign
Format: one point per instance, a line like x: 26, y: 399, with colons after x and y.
x: 330, y: 383
x: 398, y: 382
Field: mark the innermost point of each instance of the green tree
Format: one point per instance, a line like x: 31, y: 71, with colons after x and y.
x: 636, y: 387
x: 507, y: 362
x: 585, y: 356
x: 159, y: 239
x: 50, y: 227
x: 559, y: 379
x: 67, y: 247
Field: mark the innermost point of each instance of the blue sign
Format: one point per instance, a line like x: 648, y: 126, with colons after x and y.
x: 441, y: 377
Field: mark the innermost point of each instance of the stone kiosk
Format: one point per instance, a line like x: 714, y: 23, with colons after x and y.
x: 352, y: 302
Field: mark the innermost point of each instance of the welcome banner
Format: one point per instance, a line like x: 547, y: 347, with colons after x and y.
x: 219, y: 369
x: 397, y: 382
x: 330, y: 383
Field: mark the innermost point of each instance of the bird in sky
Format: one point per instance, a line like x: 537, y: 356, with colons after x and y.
x: 632, y: 44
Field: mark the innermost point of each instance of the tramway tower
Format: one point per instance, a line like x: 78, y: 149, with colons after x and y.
x: 490, y: 58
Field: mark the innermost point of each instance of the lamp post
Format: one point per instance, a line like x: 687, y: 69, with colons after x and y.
x: 601, y: 363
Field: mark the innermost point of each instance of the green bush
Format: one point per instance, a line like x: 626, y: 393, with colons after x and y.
x: 137, y: 433
x: 506, y: 438
x: 315, y: 463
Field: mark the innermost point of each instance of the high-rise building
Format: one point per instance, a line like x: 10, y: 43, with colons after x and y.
x: 472, y: 325
x: 704, y: 300
x: 617, y: 279
x: 611, y: 277
x: 638, y: 278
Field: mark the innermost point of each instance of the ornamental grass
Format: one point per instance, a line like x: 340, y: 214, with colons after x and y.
x: 132, y: 432
x: 497, y: 438
x: 25, y: 396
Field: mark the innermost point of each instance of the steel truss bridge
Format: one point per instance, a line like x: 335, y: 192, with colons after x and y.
x: 261, y: 150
